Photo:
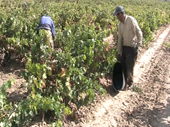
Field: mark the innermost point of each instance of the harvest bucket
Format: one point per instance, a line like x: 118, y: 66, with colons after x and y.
x: 118, y: 77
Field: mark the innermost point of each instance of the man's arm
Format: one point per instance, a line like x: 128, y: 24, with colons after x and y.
x: 120, y: 39
x: 53, y: 30
x: 138, y: 33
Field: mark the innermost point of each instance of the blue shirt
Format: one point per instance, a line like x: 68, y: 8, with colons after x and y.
x: 45, y: 22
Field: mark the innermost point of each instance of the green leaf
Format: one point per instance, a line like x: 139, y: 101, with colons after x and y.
x: 59, y: 123
x: 44, y: 76
x: 67, y: 110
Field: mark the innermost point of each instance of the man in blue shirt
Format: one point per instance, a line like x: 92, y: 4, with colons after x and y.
x: 46, y: 24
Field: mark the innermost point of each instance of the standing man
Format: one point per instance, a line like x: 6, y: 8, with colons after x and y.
x: 46, y: 25
x: 129, y: 40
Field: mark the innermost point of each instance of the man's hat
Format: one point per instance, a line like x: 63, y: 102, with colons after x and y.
x: 118, y: 9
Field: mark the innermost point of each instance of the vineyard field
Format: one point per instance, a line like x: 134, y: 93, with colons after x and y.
x: 56, y: 81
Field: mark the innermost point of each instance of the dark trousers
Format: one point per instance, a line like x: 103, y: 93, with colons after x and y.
x: 129, y: 55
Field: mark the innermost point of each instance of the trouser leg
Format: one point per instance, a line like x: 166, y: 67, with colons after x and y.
x: 48, y: 39
x: 129, y: 59
x: 124, y: 65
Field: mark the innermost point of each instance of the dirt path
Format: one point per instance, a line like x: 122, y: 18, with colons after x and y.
x: 147, y: 104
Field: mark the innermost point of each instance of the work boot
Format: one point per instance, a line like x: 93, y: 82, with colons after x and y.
x: 128, y: 87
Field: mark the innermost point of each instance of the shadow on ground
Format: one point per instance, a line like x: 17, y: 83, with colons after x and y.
x: 14, y: 66
x: 110, y: 90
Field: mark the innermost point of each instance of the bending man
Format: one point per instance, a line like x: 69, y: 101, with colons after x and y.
x: 46, y: 24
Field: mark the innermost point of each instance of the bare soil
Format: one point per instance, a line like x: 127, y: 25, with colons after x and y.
x: 12, y: 71
x: 146, y: 104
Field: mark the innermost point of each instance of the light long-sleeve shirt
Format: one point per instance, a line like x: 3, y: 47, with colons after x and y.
x: 129, y: 33
x: 45, y: 22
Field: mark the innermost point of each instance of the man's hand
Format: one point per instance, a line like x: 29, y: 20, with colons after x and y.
x: 138, y: 47
x: 119, y: 58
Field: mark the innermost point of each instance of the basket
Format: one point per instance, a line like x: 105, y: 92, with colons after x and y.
x: 118, y: 77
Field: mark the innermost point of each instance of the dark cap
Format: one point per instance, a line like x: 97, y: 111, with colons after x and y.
x: 118, y: 9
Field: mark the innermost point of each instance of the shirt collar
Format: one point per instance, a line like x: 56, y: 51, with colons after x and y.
x: 125, y: 19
